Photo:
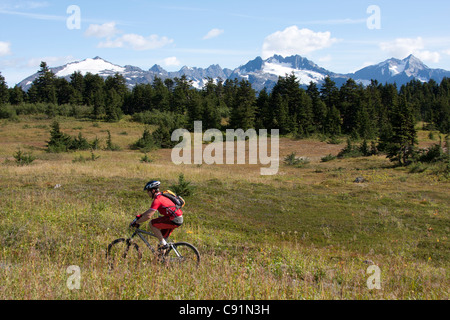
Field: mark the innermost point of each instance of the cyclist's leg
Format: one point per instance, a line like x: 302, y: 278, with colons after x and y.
x: 162, y: 227
x: 167, y: 232
x: 156, y: 231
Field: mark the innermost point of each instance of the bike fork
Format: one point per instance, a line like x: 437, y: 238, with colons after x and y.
x: 172, y: 247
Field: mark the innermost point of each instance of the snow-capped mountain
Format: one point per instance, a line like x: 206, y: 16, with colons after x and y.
x: 260, y: 73
x: 264, y: 73
x: 95, y: 66
x: 399, y: 71
x: 199, y: 76
x: 133, y: 75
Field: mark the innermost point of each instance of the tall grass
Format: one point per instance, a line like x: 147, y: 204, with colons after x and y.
x: 306, y: 233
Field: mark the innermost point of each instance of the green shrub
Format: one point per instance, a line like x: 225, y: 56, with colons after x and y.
x: 80, y: 143
x: 82, y: 159
x: 293, y: 160
x: 334, y: 140
x: 95, y: 144
x: 327, y: 158
x: 146, y: 159
x: 157, y: 117
x: 110, y: 146
x: 417, y: 167
x: 167, y: 122
x: 434, y: 153
x: 8, y: 112
x: 146, y: 143
x: 23, y: 159
x: 61, y: 142
x: 183, y: 188
x: 349, y: 151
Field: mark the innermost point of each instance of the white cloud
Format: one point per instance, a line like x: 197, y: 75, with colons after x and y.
x: 51, y: 61
x: 403, y: 47
x: 293, y: 40
x: 171, y: 61
x: 5, y: 48
x: 27, y: 5
x: 47, y: 17
x: 108, y: 32
x: 105, y: 30
x: 336, y: 21
x: 213, y: 34
x: 325, y: 59
x: 31, y: 4
x: 430, y: 56
x: 136, y: 42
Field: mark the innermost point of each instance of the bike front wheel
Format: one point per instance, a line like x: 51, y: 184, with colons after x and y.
x: 122, y: 252
x: 182, y: 253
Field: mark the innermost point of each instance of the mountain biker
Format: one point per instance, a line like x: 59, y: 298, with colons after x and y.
x: 163, y: 226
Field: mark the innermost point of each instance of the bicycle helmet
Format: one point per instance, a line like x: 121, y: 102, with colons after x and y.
x: 152, y: 185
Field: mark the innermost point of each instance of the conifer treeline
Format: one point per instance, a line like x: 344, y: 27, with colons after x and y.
x: 364, y: 112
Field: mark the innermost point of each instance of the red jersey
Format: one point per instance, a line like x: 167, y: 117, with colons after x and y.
x: 165, y: 207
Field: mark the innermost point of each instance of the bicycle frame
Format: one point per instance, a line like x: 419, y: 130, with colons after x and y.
x: 177, y: 251
x: 140, y: 233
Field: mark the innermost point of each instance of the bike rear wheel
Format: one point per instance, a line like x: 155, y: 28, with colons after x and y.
x: 182, y: 253
x: 122, y: 252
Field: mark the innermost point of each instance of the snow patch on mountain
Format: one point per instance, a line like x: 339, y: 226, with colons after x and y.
x: 397, y: 68
x: 281, y: 69
x: 94, y: 66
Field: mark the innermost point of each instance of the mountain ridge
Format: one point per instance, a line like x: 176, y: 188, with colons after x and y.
x: 260, y: 73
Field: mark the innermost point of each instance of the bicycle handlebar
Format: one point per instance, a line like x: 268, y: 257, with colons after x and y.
x: 133, y: 223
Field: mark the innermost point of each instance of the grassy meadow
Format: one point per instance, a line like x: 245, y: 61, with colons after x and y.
x: 305, y: 233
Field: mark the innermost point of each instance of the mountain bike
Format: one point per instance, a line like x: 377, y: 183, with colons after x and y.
x: 122, y: 251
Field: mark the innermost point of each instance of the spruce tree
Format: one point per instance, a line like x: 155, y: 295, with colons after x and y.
x: 161, y: 96
x: 94, y: 94
x: 400, y: 146
x: 194, y: 109
x: 304, y: 116
x: 210, y: 112
x: 115, y: 92
x: 319, y: 108
x: 244, y: 107
x: 263, y: 113
x: 280, y: 107
x: 350, y: 106
x: 333, y: 122
x: 139, y: 100
x: 64, y: 91
x: 4, y: 93
x: 181, y: 95
x: 59, y: 141
x: 77, y: 83
x: 329, y: 93
x: 45, y: 85
x: 16, y: 95
x: 113, y: 105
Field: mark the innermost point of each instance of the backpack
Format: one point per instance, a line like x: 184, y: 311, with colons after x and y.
x: 177, y: 200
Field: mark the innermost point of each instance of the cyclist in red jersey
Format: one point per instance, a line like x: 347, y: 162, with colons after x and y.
x: 171, y: 218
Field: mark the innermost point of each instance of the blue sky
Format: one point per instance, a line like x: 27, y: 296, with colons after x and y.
x: 342, y: 36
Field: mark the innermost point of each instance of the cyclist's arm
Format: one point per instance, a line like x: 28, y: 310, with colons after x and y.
x: 147, y: 215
